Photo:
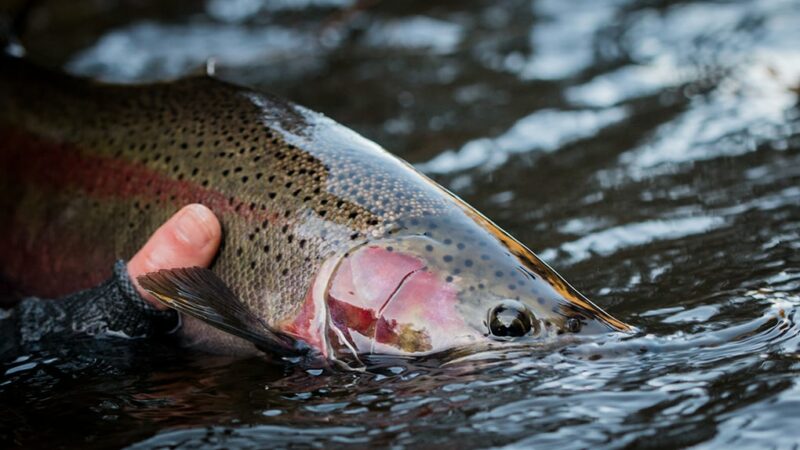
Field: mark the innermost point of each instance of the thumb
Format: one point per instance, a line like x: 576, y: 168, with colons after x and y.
x: 189, y: 238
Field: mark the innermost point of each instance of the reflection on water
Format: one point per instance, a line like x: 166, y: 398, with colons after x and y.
x: 650, y: 151
x: 191, y: 45
x: 416, y: 32
x: 562, y: 42
x: 610, y: 240
x: 545, y: 130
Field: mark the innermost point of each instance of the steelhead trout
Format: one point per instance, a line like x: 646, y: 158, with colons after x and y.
x: 331, y: 244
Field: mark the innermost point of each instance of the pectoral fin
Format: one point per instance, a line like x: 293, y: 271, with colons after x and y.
x: 202, y: 294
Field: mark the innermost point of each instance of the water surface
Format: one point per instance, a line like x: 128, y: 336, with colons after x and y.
x: 649, y: 150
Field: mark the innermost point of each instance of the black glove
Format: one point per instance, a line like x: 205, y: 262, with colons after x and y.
x: 113, y: 308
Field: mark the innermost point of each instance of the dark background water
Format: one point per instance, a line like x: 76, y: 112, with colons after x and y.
x: 649, y: 150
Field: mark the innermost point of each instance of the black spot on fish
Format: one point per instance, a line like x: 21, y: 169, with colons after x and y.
x: 447, y: 258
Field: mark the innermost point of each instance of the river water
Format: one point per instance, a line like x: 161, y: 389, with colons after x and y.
x: 648, y: 150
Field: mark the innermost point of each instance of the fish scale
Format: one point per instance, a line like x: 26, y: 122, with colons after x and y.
x: 92, y: 169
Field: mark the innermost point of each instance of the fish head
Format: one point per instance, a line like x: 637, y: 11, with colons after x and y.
x: 468, y: 283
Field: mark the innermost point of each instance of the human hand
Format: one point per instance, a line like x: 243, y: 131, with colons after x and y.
x: 189, y: 238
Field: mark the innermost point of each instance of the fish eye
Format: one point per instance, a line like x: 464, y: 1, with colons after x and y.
x: 510, y: 319
x: 573, y: 325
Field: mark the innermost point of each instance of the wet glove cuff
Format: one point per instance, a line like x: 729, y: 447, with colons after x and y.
x: 112, y: 308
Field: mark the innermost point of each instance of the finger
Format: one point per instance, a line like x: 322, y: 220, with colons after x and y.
x: 189, y: 238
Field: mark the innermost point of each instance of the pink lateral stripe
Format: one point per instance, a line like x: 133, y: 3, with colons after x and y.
x: 58, y: 165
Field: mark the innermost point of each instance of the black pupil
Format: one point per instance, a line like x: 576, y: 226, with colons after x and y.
x: 509, y: 322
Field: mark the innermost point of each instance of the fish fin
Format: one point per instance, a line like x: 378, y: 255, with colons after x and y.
x: 200, y: 293
x: 208, y: 69
x: 211, y: 67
